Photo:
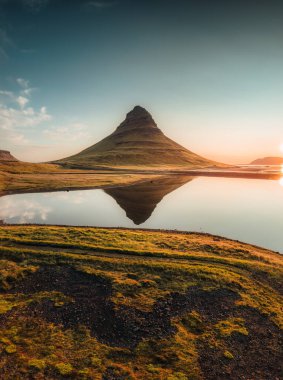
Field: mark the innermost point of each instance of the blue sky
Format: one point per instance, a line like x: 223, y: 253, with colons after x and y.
x: 210, y: 72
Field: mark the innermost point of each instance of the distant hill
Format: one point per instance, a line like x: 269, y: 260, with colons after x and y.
x: 137, y: 142
x: 268, y: 161
x: 5, y: 155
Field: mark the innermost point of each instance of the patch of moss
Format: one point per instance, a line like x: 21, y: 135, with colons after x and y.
x: 152, y: 369
x: 230, y: 326
x: 11, y: 349
x: 228, y: 355
x: 5, y: 306
x: 64, y: 368
x: 177, y: 376
x: 193, y: 322
x: 95, y: 361
x: 38, y: 364
x: 134, y: 277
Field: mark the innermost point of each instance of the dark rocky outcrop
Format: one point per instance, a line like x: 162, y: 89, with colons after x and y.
x: 6, y: 156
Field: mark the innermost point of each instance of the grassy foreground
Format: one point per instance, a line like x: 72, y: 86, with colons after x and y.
x: 94, y: 303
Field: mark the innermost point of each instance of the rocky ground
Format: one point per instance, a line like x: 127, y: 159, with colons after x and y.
x: 86, y: 303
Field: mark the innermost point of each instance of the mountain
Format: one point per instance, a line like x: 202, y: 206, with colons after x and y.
x: 137, y: 142
x: 140, y: 200
x: 268, y: 161
x: 6, y: 156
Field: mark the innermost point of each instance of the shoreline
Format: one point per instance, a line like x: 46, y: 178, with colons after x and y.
x: 157, y: 174
x: 69, y: 189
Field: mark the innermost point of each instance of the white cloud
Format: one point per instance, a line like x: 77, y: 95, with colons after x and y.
x: 8, y: 94
x: 17, y: 138
x: 16, y: 116
x: 13, y: 118
x: 74, y: 197
x: 20, y: 210
x: 22, y: 101
x: 23, y: 83
x: 72, y: 132
x: 26, y: 130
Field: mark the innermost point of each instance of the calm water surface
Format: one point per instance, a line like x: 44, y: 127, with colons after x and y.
x: 243, y: 209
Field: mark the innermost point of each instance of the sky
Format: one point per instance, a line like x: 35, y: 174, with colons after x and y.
x: 209, y: 72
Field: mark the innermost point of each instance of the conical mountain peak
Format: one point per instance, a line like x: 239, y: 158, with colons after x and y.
x: 137, y: 142
x: 138, y: 112
x: 138, y: 117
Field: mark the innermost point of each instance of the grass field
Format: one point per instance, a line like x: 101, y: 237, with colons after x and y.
x: 16, y: 177
x: 94, y: 303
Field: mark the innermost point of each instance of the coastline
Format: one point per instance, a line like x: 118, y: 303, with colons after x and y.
x: 102, y: 178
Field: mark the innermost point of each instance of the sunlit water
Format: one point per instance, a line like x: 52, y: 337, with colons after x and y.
x: 242, y: 209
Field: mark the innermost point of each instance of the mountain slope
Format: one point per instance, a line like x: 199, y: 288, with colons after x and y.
x: 268, y: 161
x: 137, y: 142
x: 6, y: 156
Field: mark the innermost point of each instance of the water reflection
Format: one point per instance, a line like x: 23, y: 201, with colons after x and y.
x: 24, y: 211
x: 242, y: 209
x: 140, y: 200
x: 74, y: 197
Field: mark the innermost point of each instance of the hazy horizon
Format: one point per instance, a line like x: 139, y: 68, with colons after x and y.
x: 210, y: 73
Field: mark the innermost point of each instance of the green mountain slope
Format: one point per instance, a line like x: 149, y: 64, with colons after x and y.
x: 137, y: 142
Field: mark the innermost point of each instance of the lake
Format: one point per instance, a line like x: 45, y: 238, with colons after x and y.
x: 244, y: 209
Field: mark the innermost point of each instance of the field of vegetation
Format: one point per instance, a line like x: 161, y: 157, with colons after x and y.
x: 94, y: 303
x: 16, y: 177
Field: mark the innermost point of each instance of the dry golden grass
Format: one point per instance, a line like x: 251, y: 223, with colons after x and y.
x: 26, y: 177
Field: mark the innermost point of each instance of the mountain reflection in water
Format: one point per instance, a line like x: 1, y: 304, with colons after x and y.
x: 249, y: 210
x: 140, y: 200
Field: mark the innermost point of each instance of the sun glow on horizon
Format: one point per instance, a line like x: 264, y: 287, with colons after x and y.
x: 281, y: 147
x: 281, y: 179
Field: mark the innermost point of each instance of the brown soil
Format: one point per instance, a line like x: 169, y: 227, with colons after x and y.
x: 123, y: 326
x: 257, y: 356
